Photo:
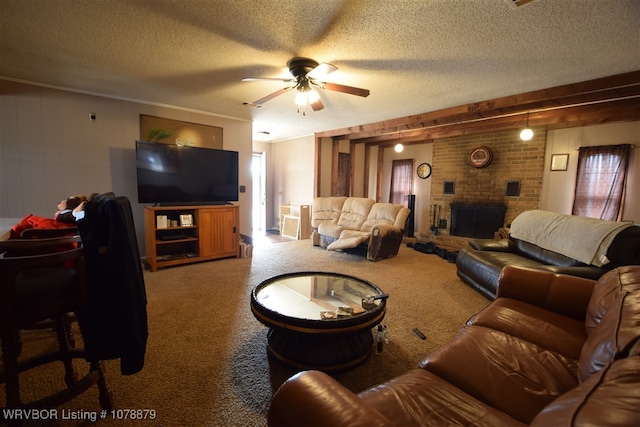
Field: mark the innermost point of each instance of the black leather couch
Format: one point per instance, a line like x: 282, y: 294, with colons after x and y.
x: 480, y: 264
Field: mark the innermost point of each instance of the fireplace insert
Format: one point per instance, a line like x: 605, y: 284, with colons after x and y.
x: 476, y: 220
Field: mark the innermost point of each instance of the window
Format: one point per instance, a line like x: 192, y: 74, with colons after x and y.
x: 401, y: 181
x: 600, y: 184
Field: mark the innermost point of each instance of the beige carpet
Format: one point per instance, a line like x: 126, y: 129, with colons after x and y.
x: 207, y: 363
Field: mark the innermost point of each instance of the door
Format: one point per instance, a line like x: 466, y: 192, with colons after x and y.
x: 259, y: 202
x: 344, y: 174
x: 218, y: 231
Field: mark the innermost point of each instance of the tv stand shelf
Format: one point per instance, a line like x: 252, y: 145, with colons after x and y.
x: 213, y: 234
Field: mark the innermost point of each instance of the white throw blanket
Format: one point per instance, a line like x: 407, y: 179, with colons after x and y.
x: 584, y: 239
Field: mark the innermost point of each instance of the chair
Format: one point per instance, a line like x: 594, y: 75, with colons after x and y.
x: 44, y: 233
x: 37, y: 288
x: 42, y: 242
x: 36, y: 244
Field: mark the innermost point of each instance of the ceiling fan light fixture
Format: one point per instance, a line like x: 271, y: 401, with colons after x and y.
x: 301, y: 99
x: 305, y: 78
x: 313, y: 96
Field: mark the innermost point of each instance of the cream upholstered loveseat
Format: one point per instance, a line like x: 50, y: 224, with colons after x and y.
x: 358, y: 223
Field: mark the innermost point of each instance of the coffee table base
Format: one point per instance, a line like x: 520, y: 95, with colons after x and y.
x: 329, y: 353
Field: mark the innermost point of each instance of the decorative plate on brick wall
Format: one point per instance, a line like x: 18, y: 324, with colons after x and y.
x: 480, y: 157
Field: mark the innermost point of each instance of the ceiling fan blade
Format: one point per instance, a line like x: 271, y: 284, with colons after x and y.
x: 321, y: 70
x: 271, y: 96
x: 276, y: 79
x: 346, y: 89
x: 317, y: 106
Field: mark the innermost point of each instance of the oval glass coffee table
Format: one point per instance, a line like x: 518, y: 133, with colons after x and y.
x: 317, y: 320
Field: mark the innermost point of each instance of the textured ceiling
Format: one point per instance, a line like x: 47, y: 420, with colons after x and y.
x: 415, y: 56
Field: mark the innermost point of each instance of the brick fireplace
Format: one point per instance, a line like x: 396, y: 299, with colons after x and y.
x: 513, y: 161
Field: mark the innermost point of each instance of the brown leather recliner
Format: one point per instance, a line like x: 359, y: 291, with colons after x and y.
x: 550, y: 350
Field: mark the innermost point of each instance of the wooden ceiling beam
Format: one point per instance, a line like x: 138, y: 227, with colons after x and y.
x: 508, y: 111
x: 559, y: 118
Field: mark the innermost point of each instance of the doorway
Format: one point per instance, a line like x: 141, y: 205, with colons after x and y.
x: 344, y: 174
x: 259, y: 202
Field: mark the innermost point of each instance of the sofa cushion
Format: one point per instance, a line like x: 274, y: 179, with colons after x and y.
x: 482, y: 268
x: 549, y: 330
x: 503, y: 371
x: 544, y: 256
x: 560, y: 293
x: 613, y: 319
x: 355, y: 211
x: 609, y: 398
x: 403, y: 401
x: 326, y: 209
x: 330, y: 230
x: 381, y: 213
x: 402, y: 217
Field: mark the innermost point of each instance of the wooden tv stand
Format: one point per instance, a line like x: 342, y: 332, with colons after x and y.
x: 199, y: 233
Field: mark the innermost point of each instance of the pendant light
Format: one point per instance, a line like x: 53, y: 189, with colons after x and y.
x: 526, y: 134
x: 399, y: 148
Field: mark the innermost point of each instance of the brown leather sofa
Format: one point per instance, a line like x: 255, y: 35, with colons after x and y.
x: 551, y: 350
x: 480, y: 264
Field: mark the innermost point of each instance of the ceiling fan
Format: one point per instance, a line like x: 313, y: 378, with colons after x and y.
x: 307, y: 75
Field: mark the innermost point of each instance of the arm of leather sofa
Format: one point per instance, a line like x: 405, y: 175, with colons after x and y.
x: 385, y: 229
x: 587, y: 271
x: 314, y: 399
x: 502, y: 245
x: 563, y: 294
x: 385, y: 242
x: 592, y: 401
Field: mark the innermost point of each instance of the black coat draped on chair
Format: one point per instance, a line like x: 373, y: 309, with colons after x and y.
x: 115, y: 320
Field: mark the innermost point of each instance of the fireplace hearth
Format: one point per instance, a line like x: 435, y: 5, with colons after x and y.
x: 480, y: 221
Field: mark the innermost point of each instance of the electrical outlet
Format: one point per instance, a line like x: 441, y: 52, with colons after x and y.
x: 93, y: 117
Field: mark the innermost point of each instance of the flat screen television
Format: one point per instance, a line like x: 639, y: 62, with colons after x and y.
x: 175, y: 175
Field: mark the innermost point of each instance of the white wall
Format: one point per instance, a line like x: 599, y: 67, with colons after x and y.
x: 293, y: 173
x: 558, y: 187
x: 49, y: 149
